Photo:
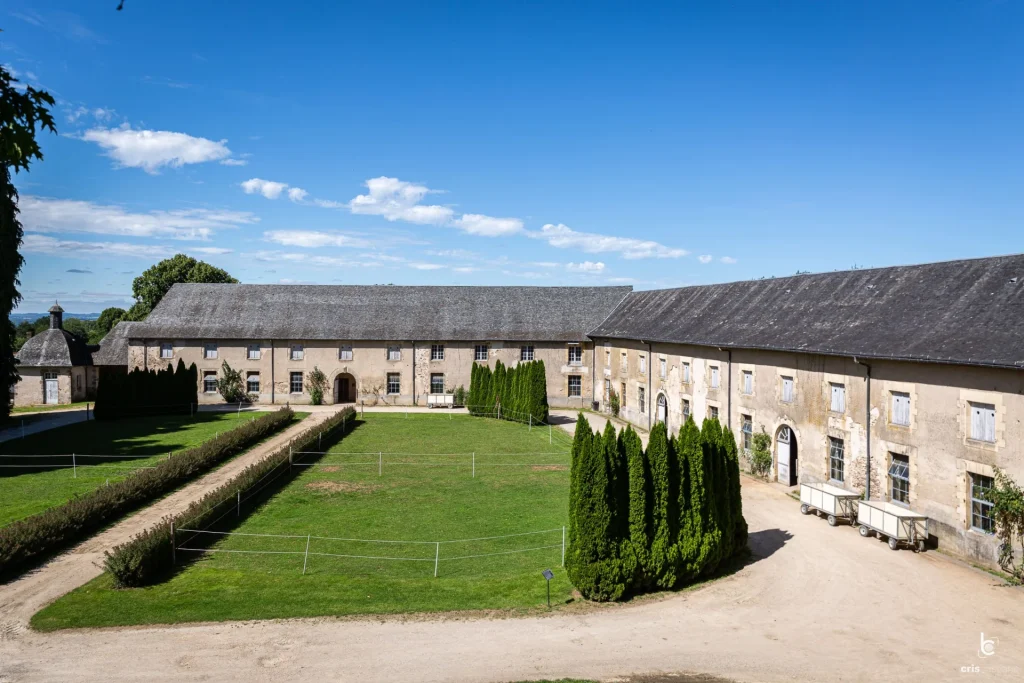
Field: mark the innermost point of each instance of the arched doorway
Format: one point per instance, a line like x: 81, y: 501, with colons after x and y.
x: 344, y: 388
x: 662, y: 414
x: 785, y: 456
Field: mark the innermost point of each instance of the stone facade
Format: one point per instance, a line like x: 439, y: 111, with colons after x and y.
x: 937, y: 440
x: 73, y: 384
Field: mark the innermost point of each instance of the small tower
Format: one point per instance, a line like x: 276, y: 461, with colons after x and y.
x: 56, y: 317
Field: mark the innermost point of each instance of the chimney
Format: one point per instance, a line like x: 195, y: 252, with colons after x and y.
x: 56, y: 317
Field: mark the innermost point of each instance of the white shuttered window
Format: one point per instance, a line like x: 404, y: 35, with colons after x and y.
x: 838, y: 404
x: 787, y: 389
x: 748, y: 382
x: 901, y: 408
x: 983, y: 422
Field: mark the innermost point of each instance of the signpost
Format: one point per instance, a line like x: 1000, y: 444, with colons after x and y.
x: 548, y: 575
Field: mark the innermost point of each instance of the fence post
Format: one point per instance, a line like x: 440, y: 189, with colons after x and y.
x: 174, y: 560
x: 74, y: 467
x: 380, y: 464
x: 239, y: 409
x: 563, y: 545
x: 319, y: 441
x: 437, y: 557
x: 306, y: 558
x: 531, y: 422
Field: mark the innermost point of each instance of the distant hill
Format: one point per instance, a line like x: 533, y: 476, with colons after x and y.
x: 30, y: 317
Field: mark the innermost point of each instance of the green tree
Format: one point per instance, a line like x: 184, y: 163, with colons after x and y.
x: 317, y: 385
x: 760, y: 457
x: 690, y: 501
x: 498, y: 386
x: 662, y: 461
x: 1008, y: 510
x: 150, y: 287
x: 711, y: 533
x: 735, y: 493
x: 640, y: 507
x: 108, y: 318
x: 539, y: 392
x: 230, y: 384
x: 83, y: 329
x: 23, y: 111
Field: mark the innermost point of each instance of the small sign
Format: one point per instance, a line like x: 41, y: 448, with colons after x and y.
x: 548, y: 574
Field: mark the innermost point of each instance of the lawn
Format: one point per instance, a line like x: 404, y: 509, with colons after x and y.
x: 49, y: 407
x: 27, y: 492
x: 422, y: 488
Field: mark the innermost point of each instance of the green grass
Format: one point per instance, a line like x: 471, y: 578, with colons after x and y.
x: 49, y: 407
x: 419, y: 497
x: 24, y: 493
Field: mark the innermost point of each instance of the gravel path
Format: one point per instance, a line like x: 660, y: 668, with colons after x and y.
x: 42, y: 422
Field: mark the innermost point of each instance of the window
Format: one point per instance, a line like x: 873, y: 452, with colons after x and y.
x: 608, y: 358
x: 210, y: 381
x: 526, y: 353
x: 252, y: 383
x: 835, y: 459
x: 624, y: 362
x: 900, y: 409
x: 686, y: 409
x: 607, y: 390
x: 209, y: 351
x: 437, y: 352
x: 643, y: 365
x: 981, y: 505
x: 748, y: 382
x: 622, y: 395
x: 787, y: 389
x: 480, y: 352
x: 838, y: 402
x: 983, y: 422
x: 575, y: 386
x: 253, y: 352
x: 713, y: 412
x: 641, y: 398
x: 663, y: 369
x: 49, y: 375
x: 436, y: 383
x: 297, y: 352
x: 394, y: 383
x: 576, y: 355
x: 748, y: 432
x: 166, y: 350
x: 345, y: 353
x: 899, y: 478
x: 714, y: 377
x: 78, y: 382
x: 295, y: 383
x: 394, y: 353
x: 686, y: 373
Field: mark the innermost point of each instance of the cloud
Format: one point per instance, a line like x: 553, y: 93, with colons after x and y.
x: 398, y: 200
x: 151, y: 150
x: 317, y: 260
x: 704, y: 258
x: 78, y: 270
x: 45, y: 214
x: 563, y: 237
x: 487, y: 226
x: 234, y: 162
x: 313, y: 239
x: 209, y: 251
x: 44, y: 244
x: 272, y: 189
x: 329, y: 204
x: 585, y: 267
x: 727, y: 259
x: 465, y: 269
x: 426, y: 266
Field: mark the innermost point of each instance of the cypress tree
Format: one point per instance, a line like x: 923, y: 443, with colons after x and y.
x: 193, y: 376
x: 474, y: 385
x: 499, y: 385
x: 658, y: 453
x: 689, y: 501
x: 640, y: 507
x: 578, y: 441
x: 711, y: 533
x: 724, y: 496
x: 486, y: 393
x: 539, y: 389
x: 735, y: 493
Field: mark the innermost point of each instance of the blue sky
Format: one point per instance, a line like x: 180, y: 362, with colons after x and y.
x: 656, y: 145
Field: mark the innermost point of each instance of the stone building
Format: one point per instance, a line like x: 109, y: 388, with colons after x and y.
x: 904, y: 383
x: 55, y: 366
x: 376, y: 344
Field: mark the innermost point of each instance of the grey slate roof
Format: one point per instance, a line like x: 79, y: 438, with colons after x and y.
x: 378, y: 312
x: 966, y: 312
x: 54, y: 348
x: 113, y: 348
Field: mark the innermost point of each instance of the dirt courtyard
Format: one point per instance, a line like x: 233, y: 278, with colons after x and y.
x: 818, y: 604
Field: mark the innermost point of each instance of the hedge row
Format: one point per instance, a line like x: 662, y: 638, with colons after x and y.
x: 28, y: 540
x: 147, y: 392
x: 659, y: 519
x: 148, y: 556
x: 518, y: 393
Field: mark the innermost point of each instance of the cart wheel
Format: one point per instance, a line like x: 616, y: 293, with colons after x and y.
x: 864, y: 531
x: 893, y: 544
x: 831, y: 520
x: 805, y: 509
x: 920, y: 546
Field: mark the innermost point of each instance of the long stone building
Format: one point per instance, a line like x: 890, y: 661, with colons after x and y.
x: 906, y: 383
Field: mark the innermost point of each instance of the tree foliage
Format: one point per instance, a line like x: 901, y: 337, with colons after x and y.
x: 150, y: 287
x: 147, y: 392
x: 317, y: 385
x: 1008, y: 512
x: 231, y: 385
x: 518, y: 392
x: 760, y: 457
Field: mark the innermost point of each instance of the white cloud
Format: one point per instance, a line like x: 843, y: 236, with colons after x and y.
x: 487, y: 226
x: 45, y: 214
x: 727, y: 259
x: 44, y: 244
x: 317, y: 260
x: 329, y: 204
x: 563, y: 237
x: 704, y: 258
x: 398, y: 200
x: 426, y: 266
x: 297, y: 194
x: 209, y: 251
x: 267, y: 188
x: 452, y: 253
x: 465, y: 269
x: 234, y: 162
x: 152, y: 149
x: 546, y: 264
x: 585, y: 267
x: 313, y: 239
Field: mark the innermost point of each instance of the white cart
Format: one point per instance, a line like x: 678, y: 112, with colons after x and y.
x: 835, y: 502
x: 900, y: 525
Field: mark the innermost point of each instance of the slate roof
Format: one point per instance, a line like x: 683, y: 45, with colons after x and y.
x: 54, y: 348
x: 966, y: 312
x: 113, y: 348
x: 378, y: 312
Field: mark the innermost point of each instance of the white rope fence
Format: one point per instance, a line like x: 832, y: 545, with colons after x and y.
x: 73, y: 462
x: 470, y: 460
x: 306, y: 542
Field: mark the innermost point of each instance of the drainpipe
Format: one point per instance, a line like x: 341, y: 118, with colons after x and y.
x: 273, y: 387
x: 593, y: 374
x: 867, y: 427
x: 414, y: 372
x: 728, y: 419
x: 650, y: 372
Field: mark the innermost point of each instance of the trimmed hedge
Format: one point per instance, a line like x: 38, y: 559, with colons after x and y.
x: 26, y: 541
x: 519, y: 392
x: 147, y: 392
x: 148, y: 556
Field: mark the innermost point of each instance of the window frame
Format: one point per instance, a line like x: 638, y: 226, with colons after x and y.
x: 476, y: 353
x: 662, y: 367
x: 894, y: 412
x: 748, y: 382
x: 899, y: 480
x: 526, y: 353
x: 346, y: 348
x: 291, y: 382
x: 207, y: 374
x: 575, y: 350
x: 790, y: 396
x: 642, y: 364
x: 836, y: 445
x: 622, y: 395
x: 837, y: 389
x: 434, y: 377
x: 166, y: 350
x: 253, y: 352
x: 624, y: 362
x: 685, y: 408
x: 579, y: 386
x: 397, y: 376
x: 747, y: 431
x: 436, y: 352
x: 715, y: 376
x: 981, y: 508
x: 713, y: 412
x: 687, y: 377
x: 394, y: 354
x: 641, y: 398
x: 987, y: 408
x: 210, y: 351
x: 248, y: 382
x: 296, y: 352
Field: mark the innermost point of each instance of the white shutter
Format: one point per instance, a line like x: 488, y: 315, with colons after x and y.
x: 983, y: 422
x: 714, y: 377
x: 838, y: 398
x: 787, y: 389
x: 748, y: 382
x: 977, y: 424
x: 901, y: 408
